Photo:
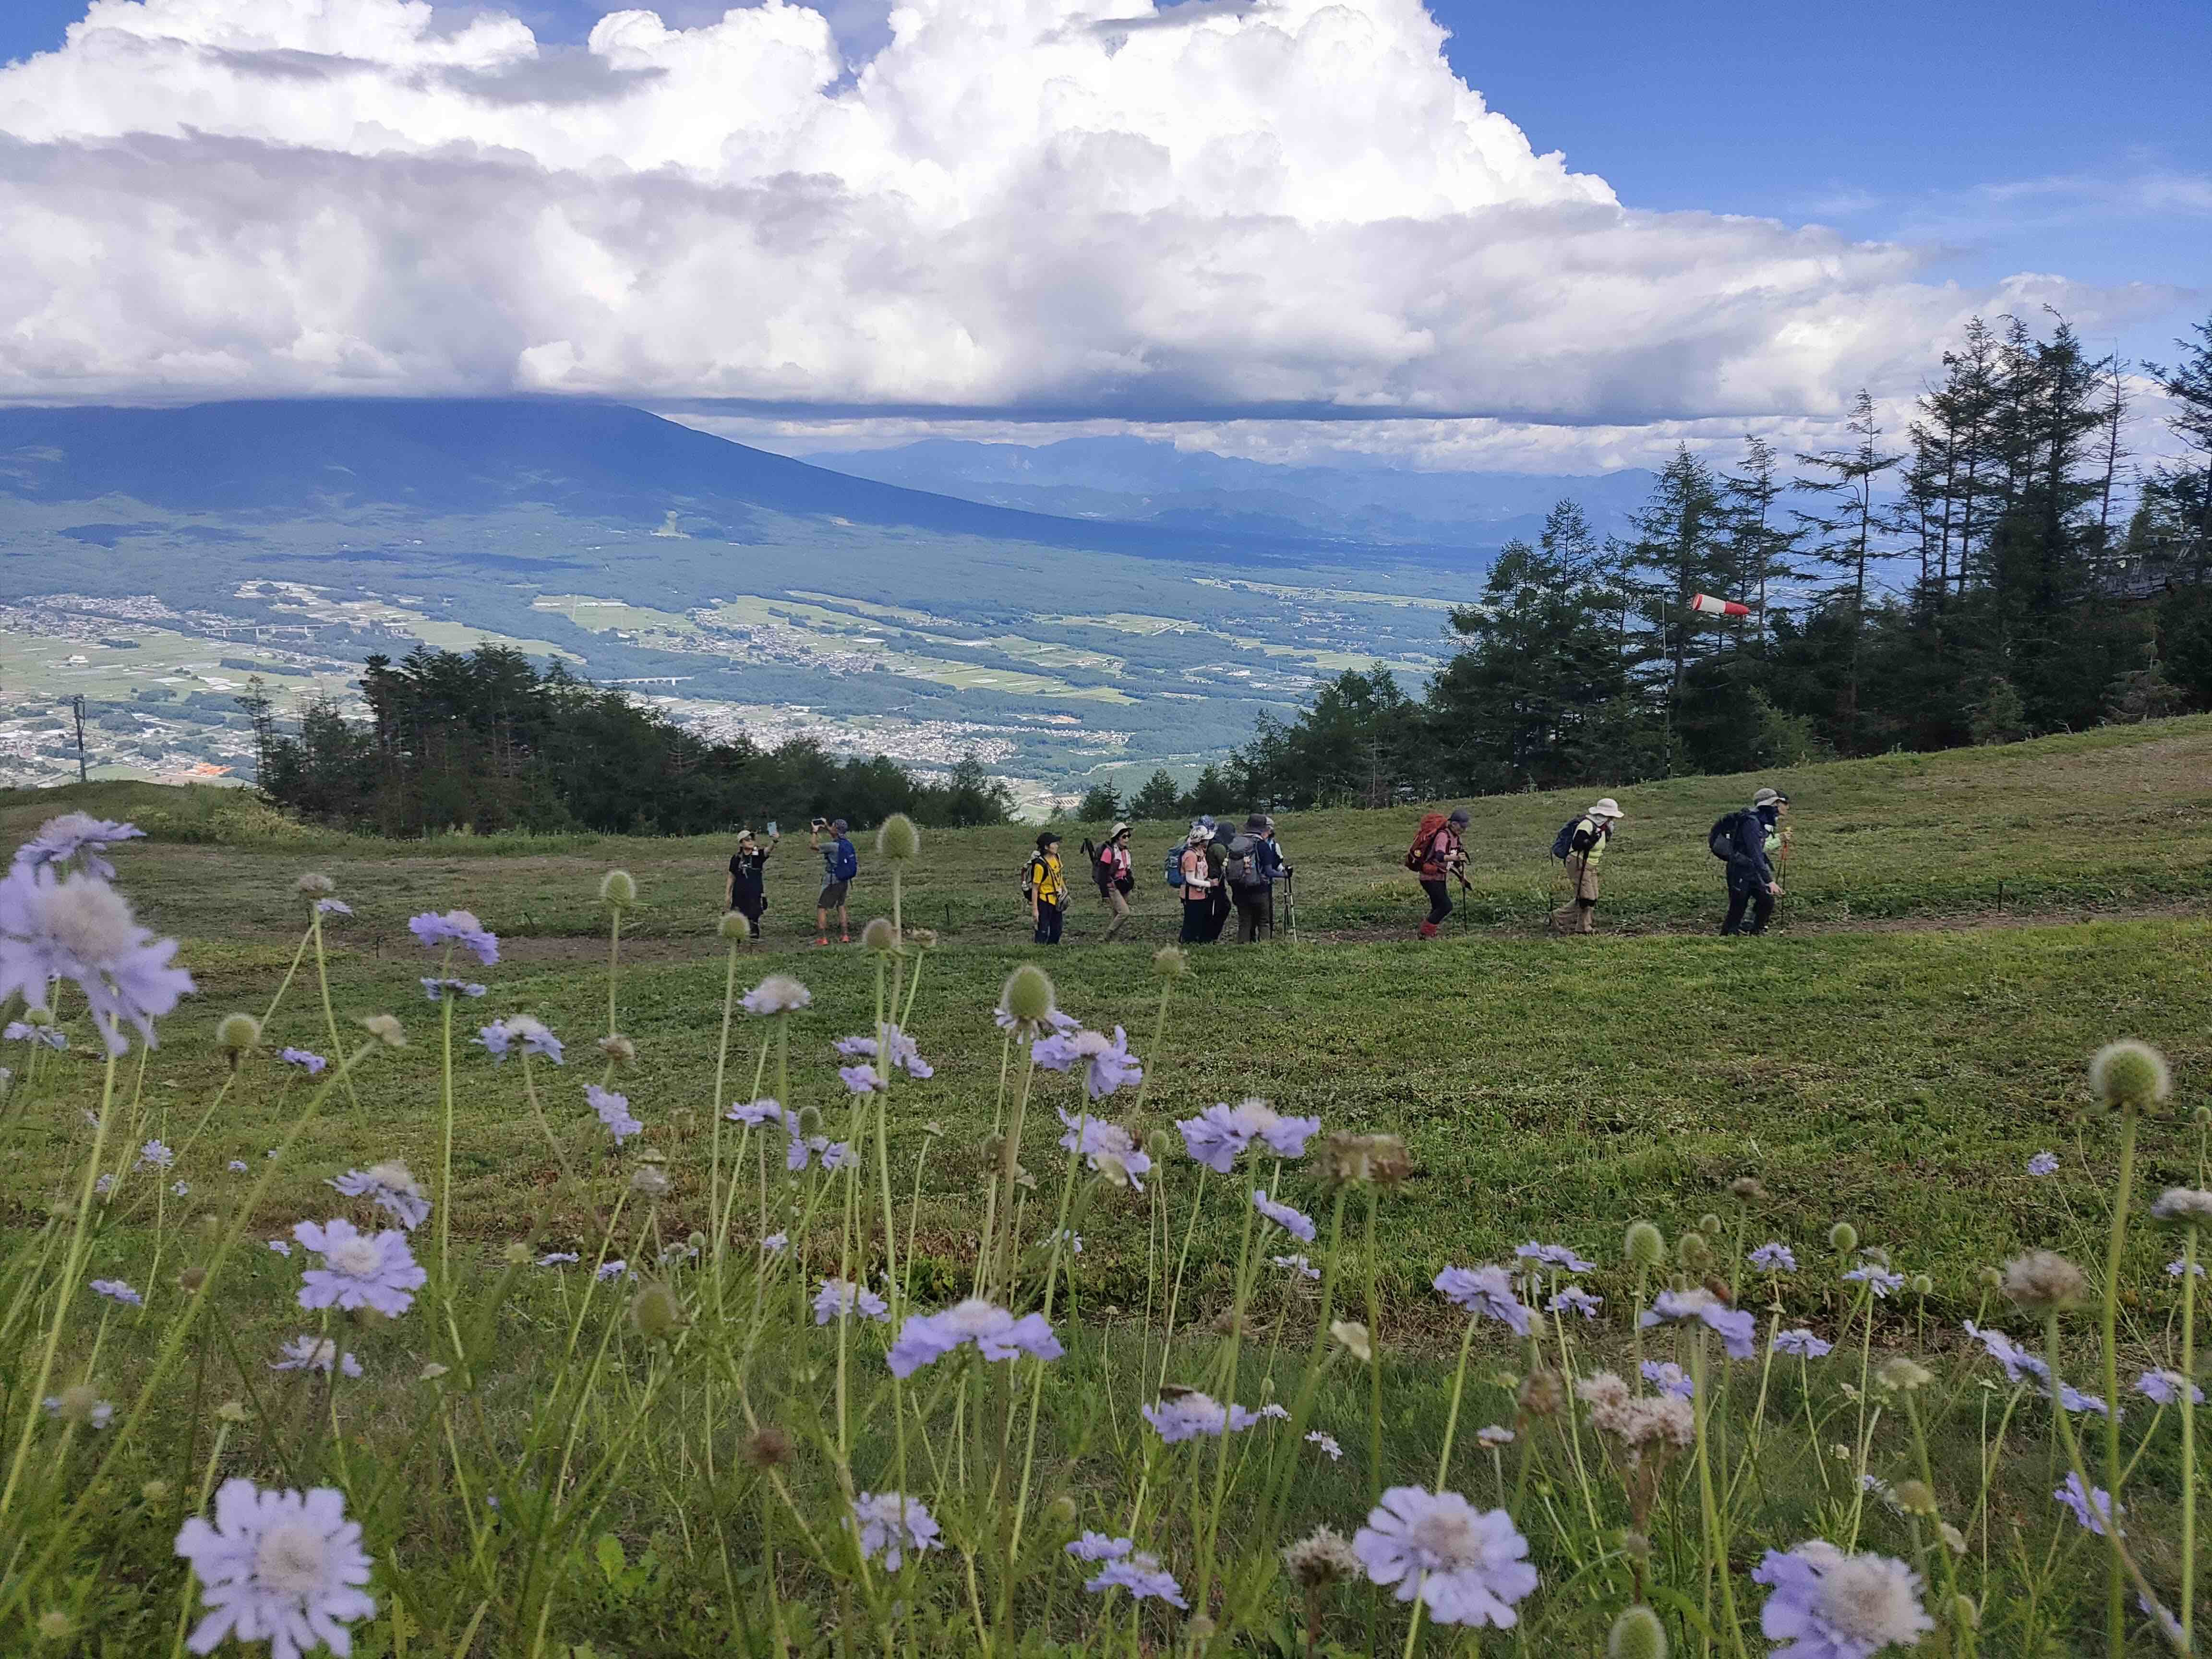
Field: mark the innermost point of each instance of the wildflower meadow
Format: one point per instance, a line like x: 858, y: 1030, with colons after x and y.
x: 713, y: 1396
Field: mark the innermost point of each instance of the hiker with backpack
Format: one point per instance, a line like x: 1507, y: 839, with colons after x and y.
x: 1438, y: 855
x: 1581, y: 845
x: 1045, y: 888
x: 746, y: 892
x: 840, y: 863
x: 1747, y: 840
x: 1217, y: 902
x: 1197, y: 885
x: 1249, y: 875
x: 1110, y: 871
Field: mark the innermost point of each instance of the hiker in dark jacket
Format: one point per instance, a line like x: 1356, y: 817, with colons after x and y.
x: 1251, y: 868
x: 1441, y: 857
x: 746, y: 892
x: 1751, y: 881
x: 1216, y: 897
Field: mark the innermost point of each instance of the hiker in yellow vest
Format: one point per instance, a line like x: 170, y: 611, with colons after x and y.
x: 1587, y: 840
x: 1048, y: 890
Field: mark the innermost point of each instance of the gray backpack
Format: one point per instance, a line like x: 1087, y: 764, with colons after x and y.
x: 1241, y: 871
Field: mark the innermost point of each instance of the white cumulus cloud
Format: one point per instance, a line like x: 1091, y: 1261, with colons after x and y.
x: 1220, y: 210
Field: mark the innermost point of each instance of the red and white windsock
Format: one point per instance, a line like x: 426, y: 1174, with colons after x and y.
x: 1713, y: 607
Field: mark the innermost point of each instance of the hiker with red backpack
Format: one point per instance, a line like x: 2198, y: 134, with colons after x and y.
x: 1436, y: 856
x: 1581, y: 845
x: 1746, y: 841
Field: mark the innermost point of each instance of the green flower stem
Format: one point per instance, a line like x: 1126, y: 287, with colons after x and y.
x: 1964, y: 1633
x: 1451, y: 1417
x: 298, y: 957
x: 715, y: 1106
x: 329, y: 1019
x: 2188, y: 1437
x: 1175, y: 1285
x: 1716, y: 1535
x: 614, y: 965
x: 1375, y: 1361
x: 2116, y: 1611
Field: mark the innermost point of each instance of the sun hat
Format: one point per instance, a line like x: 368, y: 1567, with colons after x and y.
x: 1259, y: 823
x: 1121, y: 828
x: 1769, y: 798
x: 1607, y: 808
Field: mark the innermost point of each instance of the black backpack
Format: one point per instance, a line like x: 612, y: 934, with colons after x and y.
x: 1721, y: 838
x: 1562, y: 844
x: 1099, y: 876
x: 1241, y: 867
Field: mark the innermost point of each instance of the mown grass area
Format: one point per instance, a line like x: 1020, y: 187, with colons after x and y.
x: 2105, y: 822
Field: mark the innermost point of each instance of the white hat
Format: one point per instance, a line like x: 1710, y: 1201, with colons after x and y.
x: 1607, y: 808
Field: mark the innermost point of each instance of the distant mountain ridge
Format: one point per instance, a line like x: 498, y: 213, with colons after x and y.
x: 1150, y: 481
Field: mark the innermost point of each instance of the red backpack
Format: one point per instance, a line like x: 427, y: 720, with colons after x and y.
x: 1417, y: 855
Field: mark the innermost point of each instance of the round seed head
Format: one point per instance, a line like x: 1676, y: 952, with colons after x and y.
x: 387, y: 1029
x: 733, y: 926
x: 1904, y: 1375
x: 314, y: 884
x: 1915, y: 1496
x: 156, y: 1492
x: 78, y: 1403
x: 1644, y: 1245
x: 189, y: 1280
x: 767, y: 1449
x: 1748, y: 1189
x: 238, y: 1032
x: 2130, y: 1074
x: 619, y: 888
x: 1158, y: 1143
x: 1923, y: 1285
x: 2202, y: 1117
x: 1171, y: 961
x: 1710, y: 1224
x: 1060, y: 1512
x: 649, y: 1181
x: 619, y: 1048
x: 1028, y: 997
x: 880, y: 936
x: 1542, y: 1395
x: 54, y: 1626
x: 1692, y: 1251
x: 809, y: 1120
x: 1637, y: 1634
x: 922, y: 938
x: 1322, y: 1558
x: 695, y: 1241
x: 1988, y: 1277
x: 1634, y: 1544
x: 898, y: 841
x: 656, y: 1313
x: 2043, y: 1280
x: 2182, y: 1206
x: 1842, y: 1238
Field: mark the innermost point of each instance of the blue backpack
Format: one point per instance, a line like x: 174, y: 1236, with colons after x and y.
x: 1175, y: 865
x: 847, y: 862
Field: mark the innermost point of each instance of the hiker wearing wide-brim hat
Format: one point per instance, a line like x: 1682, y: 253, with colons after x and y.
x: 1582, y: 844
x: 746, y: 891
x: 1111, y: 874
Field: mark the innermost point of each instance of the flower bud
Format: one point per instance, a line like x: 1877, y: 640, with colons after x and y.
x: 1112, y: 1170
x: 1964, y: 1612
x: 1060, y: 1512
x: 618, y: 888
x: 1988, y: 1277
x: 238, y: 1032
x: 1637, y: 1634
x: 734, y: 926
x: 655, y: 1312
x: 231, y: 1411
x: 1955, y: 1541
x: 190, y: 1280
x: 1170, y: 962
x: 1027, y: 997
x: 2202, y: 1117
x: 1323, y: 1557
x: 1158, y: 1143
x: 809, y: 1120
x: 695, y: 1241
x: 1842, y: 1238
x: 2130, y: 1074
x: 1710, y: 1224
x: 1695, y: 1255
x: 897, y: 841
x: 1921, y: 1285
x: 1644, y: 1246
x: 880, y: 936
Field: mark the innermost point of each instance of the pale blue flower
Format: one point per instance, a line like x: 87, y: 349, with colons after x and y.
x: 1297, y: 1264
x: 1103, y: 1140
x: 314, y: 1353
x: 838, y: 1297
x: 904, y: 1056
x: 77, y: 835
x: 281, y: 1567
x: 456, y: 928
x: 1108, y: 1065
x: 558, y: 1259
x: 306, y: 1059
x: 1774, y: 1257
x: 523, y: 1032
x: 2093, y: 1508
x: 1298, y: 1225
x: 1142, y: 1576
x: 437, y: 990
x: 391, y: 1189
x: 775, y: 1243
x: 1828, y: 1605
x: 156, y: 1155
x: 116, y: 1291
x: 236, y: 1166
x: 754, y: 1112
x: 862, y: 1081
x: 1876, y: 1278
x: 997, y: 1334
x: 1575, y: 1299
x: 1186, y: 1416
x: 1738, y: 1329
x: 1097, y: 1546
x: 607, y: 1270
x: 1334, y: 1452
x: 331, y: 906
x: 2164, y: 1388
x: 891, y: 1526
x: 1486, y: 1292
x: 613, y: 1110
x: 81, y: 930
x: 359, y: 1270
x: 1669, y: 1378
x: 50, y: 1036
x: 1469, y: 1567
x: 1554, y: 1256
x: 1801, y: 1343
x: 2042, y: 1163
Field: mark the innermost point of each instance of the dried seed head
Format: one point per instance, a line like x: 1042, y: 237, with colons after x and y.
x: 1322, y: 1558
x: 734, y: 926
x: 314, y: 884
x: 2043, y: 1281
x: 79, y: 1403
x: 897, y: 841
x: 1226, y: 1323
x: 1988, y: 1277
x: 1955, y: 1541
x: 1637, y: 1634
x: 618, y: 888
x: 1842, y: 1238
x: 2182, y: 1206
x: 1171, y: 961
x: 1352, y: 1336
x: 238, y: 1032
x: 656, y: 1313
x: 1748, y: 1189
x: 1915, y: 1496
x: 1635, y: 1546
x: 1710, y: 1224
x: 1876, y: 1254
x: 1352, y: 1160
x: 619, y: 1048
x: 1027, y: 997
x: 766, y: 1448
x: 922, y: 938
x: 1644, y: 1246
x: 1542, y: 1395
x: 387, y: 1029
x: 189, y: 1280
x: 649, y: 1181
x: 1904, y: 1375
x: 880, y: 937
x: 2130, y: 1074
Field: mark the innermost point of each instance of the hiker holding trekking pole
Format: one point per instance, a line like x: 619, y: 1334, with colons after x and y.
x: 1581, y: 846
x: 1437, y: 853
x: 1746, y: 840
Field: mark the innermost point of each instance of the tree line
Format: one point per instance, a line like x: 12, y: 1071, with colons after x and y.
x: 486, y: 738
x: 2002, y: 568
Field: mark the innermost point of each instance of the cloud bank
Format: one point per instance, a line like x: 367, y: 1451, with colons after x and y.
x: 1221, y: 210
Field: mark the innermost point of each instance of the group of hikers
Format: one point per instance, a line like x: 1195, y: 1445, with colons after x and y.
x: 1219, y: 872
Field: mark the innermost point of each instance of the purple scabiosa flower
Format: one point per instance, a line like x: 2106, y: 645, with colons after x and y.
x: 1185, y: 1416
x: 1006, y: 1021
x: 838, y: 1297
x: 835, y: 1154
x: 80, y: 1405
x: 1214, y: 1137
x: 1801, y: 1343
x: 522, y: 1032
x: 236, y: 1166
x: 606, y: 1270
x: 359, y: 1270
x: 2164, y: 1388
x: 1774, y: 1257
x: 775, y: 1243
x: 2092, y: 1508
x: 1669, y: 1378
x: 77, y: 835
x: 1554, y: 1256
x: 2175, y: 1268
x: 1070, y: 1238
x: 331, y: 906
x: 391, y: 1189
x: 281, y: 1246
x: 1469, y: 1565
x: 116, y: 1291
x: 1738, y: 1329
x: 1828, y: 1605
x: 19, y: 1030
x: 1297, y: 1264
x: 455, y: 927
x: 1575, y: 1299
x: 892, y: 1525
x: 307, y: 1060
x: 1330, y: 1449
x: 281, y: 1567
x: 437, y: 990
x: 2019, y: 1363
x: 1297, y: 1224
x: 904, y: 1056
x: 2072, y: 1399
x: 156, y: 1155
x: 1097, y: 1546
x: 1142, y: 1576
x: 862, y: 1081
x: 925, y: 1339
x: 314, y: 1353
x: 1103, y: 1140
x: 180, y: 1190
x: 778, y: 993
x: 1876, y: 1278
x: 613, y: 1110
x: 801, y: 1150
x: 558, y: 1259
x: 754, y: 1112
x: 1108, y: 1065
x: 1485, y: 1292
x: 104, y: 1185
x: 81, y: 930
x: 2042, y: 1163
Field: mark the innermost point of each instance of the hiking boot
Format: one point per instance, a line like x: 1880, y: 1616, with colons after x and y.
x: 845, y: 938
x: 824, y: 941
x: 1428, y: 930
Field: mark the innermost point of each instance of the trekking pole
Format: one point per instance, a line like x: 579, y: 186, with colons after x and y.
x: 1290, y: 904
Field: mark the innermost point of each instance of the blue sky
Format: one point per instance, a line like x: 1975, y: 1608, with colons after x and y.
x: 2060, y: 135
